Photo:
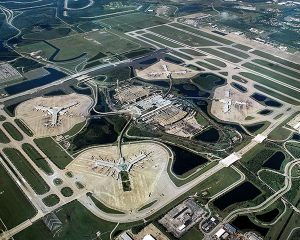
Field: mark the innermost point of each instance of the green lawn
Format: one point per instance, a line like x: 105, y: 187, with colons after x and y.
x: 78, y: 224
x: 15, y: 207
x: 276, y: 95
x: 37, y: 158
x: 272, y: 74
x: 51, y: 200
x: 221, y: 55
x: 242, y: 47
x: 3, y: 137
x: 277, y: 68
x: 216, y: 62
x: 208, y: 66
x: 54, y: 152
x: 13, y: 132
x: 192, y: 52
x: 271, y: 84
x: 28, y: 172
x: 234, y: 52
x: 23, y: 127
x: 277, y: 59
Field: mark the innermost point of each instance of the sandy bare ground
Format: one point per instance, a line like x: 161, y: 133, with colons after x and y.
x: 36, y: 120
x: 144, y: 177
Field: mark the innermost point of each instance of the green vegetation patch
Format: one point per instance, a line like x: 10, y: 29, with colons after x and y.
x: 162, y: 41
x: 102, y: 206
x: 235, y: 52
x: 254, y: 159
x: 13, y: 132
x: 54, y: 152
x: 208, y: 66
x: 242, y: 47
x: 57, y: 181
x: 221, y: 55
x: 216, y: 62
x: 202, y: 33
x: 78, y: 224
x: 23, y: 127
x: 270, y: 84
x: 276, y: 95
x: 28, y: 172
x: 66, y: 191
x: 125, y: 181
x: 293, y: 148
x: 2, y: 118
x: 37, y: 158
x: 182, y: 37
x: 181, y: 55
x: 15, y: 207
x: 3, y: 137
x: 277, y: 68
x: 192, y: 52
x: 277, y: 59
x: 274, y: 180
x: 272, y: 74
x: 51, y: 200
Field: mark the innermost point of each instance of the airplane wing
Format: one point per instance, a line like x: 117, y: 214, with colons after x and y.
x: 180, y: 72
x: 70, y: 105
x: 42, y: 108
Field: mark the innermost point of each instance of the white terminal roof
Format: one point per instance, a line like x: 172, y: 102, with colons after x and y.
x: 220, y: 232
x: 148, y: 237
x: 297, y: 126
x: 230, y: 159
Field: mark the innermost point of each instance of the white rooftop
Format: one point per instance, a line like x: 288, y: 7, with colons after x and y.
x: 148, y: 237
x: 230, y: 159
x: 259, y: 138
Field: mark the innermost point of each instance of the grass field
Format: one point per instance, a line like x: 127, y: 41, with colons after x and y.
x: 181, y: 55
x: 277, y: 59
x: 3, y: 137
x: 215, y: 62
x: 23, y: 127
x: 274, y: 180
x: 15, y: 207
x: 234, y: 52
x: 242, y: 47
x: 202, y: 33
x: 221, y: 55
x: 78, y: 224
x: 28, y: 172
x: 208, y: 66
x: 272, y: 74
x: 161, y: 40
x: 277, y: 68
x: 271, y: 84
x: 276, y: 95
x: 37, y: 158
x: 13, y: 132
x: 51, y: 200
x: 192, y: 52
x: 134, y: 21
x: 54, y: 152
x: 182, y: 37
